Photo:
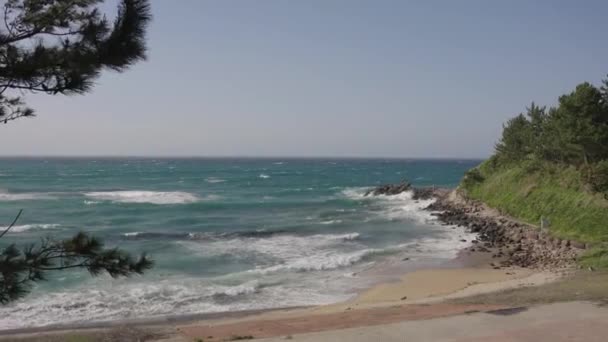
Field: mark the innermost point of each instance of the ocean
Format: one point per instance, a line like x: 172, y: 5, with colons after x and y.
x: 225, y: 234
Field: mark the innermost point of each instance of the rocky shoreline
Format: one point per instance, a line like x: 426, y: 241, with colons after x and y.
x: 508, y: 241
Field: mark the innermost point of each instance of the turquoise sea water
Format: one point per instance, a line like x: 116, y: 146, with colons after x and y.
x: 226, y: 234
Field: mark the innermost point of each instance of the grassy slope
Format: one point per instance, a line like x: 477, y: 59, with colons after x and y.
x: 529, y: 190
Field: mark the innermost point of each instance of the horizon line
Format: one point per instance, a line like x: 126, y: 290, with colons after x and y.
x: 109, y: 156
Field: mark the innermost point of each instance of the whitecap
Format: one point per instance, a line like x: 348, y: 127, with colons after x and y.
x: 142, y: 196
x: 264, y: 176
x: 289, y: 252
x: 26, y: 227
x: 26, y: 196
x: 403, y: 206
x: 214, y: 180
x: 396, y: 207
x: 328, y: 222
x: 355, y: 193
x: 320, y: 262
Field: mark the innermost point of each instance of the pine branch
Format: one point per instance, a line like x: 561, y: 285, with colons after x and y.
x: 12, y: 223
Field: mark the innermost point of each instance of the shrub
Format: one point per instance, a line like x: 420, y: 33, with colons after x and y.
x: 599, y: 177
x: 472, y: 177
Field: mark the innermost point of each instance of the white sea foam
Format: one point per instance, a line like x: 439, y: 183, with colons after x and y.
x: 396, y: 207
x: 26, y: 227
x: 97, y: 300
x: 320, y: 262
x: 141, y: 196
x: 331, y: 222
x: 402, y: 206
x: 264, y: 176
x: 289, y: 252
x: 26, y: 196
x: 214, y: 180
x: 356, y: 193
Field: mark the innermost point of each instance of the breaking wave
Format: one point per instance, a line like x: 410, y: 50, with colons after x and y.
x: 214, y: 180
x: 26, y: 196
x: 141, y: 196
x: 202, y: 236
x: 395, y: 207
x: 26, y: 227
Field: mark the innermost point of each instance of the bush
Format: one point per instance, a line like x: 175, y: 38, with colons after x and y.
x: 472, y: 177
x: 599, y: 177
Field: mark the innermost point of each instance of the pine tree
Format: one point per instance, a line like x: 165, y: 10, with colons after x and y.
x: 61, y: 47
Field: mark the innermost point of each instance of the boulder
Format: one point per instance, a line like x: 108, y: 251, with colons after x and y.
x: 389, y: 189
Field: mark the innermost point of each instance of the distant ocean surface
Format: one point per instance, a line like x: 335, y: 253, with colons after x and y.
x: 226, y: 234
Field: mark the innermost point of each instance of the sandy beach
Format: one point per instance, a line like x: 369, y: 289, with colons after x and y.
x: 418, y: 295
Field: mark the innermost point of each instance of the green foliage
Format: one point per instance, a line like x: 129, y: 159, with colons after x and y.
x: 471, y: 177
x: 573, y: 133
x: 20, y: 268
x: 553, y: 163
x: 551, y: 190
x: 61, y: 46
x: 599, y: 177
x: 595, y: 258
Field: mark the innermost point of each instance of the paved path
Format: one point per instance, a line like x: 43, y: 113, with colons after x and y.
x: 575, y: 321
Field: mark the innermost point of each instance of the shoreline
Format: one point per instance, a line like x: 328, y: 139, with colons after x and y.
x: 472, y: 272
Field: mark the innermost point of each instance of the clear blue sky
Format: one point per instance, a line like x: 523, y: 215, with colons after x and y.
x: 326, y: 78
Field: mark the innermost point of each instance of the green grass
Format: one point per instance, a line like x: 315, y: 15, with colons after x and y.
x: 529, y: 190
x: 595, y: 258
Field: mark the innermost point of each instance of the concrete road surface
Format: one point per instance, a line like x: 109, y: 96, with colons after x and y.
x: 574, y: 321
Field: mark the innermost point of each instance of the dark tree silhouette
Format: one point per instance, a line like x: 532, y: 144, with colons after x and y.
x: 19, y: 268
x: 60, y: 47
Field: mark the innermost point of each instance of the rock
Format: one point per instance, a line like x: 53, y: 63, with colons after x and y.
x: 577, y: 244
x: 389, y: 189
x: 423, y: 193
x: 514, y: 243
x: 531, y: 235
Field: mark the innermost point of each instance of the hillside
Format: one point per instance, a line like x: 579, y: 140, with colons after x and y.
x: 553, y: 164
